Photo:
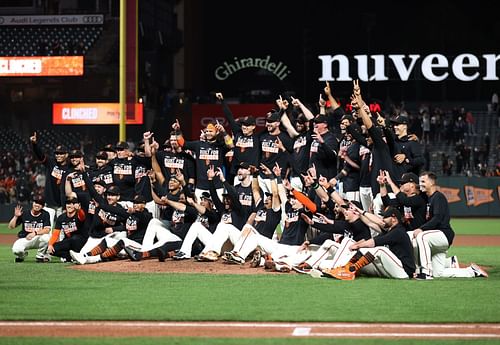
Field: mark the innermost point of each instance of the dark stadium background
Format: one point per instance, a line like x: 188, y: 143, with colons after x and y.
x: 196, y: 36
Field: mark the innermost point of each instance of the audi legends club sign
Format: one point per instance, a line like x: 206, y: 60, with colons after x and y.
x: 41, y: 66
x: 93, y: 114
x: 84, y: 19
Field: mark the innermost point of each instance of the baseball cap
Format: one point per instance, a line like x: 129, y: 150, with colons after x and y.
x: 101, y: 155
x: 100, y: 183
x: 109, y: 148
x: 121, y: 145
x: 273, y: 116
x: 247, y: 121
x: 348, y: 117
x: 301, y: 119
x: 114, y: 190
x: 356, y: 203
x: 321, y: 119
x: 409, y: 177
x: 400, y: 119
x: 139, y: 199
x: 72, y: 201
x: 60, y: 149
x: 75, y: 154
x: 39, y: 199
x: 206, y: 195
x: 244, y: 165
x: 391, y: 212
x: 268, y: 194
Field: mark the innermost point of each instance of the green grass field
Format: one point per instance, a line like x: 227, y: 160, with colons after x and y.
x: 54, y: 291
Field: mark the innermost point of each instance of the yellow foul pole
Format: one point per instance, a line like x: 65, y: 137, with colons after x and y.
x: 123, y: 65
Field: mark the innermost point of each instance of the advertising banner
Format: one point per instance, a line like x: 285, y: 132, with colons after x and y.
x: 41, y: 66
x: 93, y: 114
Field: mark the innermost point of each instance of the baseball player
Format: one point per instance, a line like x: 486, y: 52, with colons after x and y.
x: 35, y: 230
x: 435, y: 236
x: 71, y: 225
x: 136, y: 223
x: 54, y: 170
x: 390, y: 254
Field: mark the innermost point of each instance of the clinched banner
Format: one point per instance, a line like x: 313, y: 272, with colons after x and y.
x: 451, y: 194
x: 93, y: 114
x: 478, y: 196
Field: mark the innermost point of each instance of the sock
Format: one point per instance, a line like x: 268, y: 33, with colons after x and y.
x: 99, y: 249
x: 110, y: 253
x: 363, y: 261
x: 355, y: 257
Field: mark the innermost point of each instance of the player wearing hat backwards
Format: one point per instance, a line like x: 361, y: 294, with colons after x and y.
x: 137, y: 220
x: 246, y: 140
x: 71, y: 225
x: 406, y: 153
x: 34, y: 233
x: 54, y: 170
x: 388, y: 255
x: 209, y: 151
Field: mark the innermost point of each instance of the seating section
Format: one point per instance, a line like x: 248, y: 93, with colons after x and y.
x: 64, y: 40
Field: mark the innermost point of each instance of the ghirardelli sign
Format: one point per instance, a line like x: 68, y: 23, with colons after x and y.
x: 433, y: 67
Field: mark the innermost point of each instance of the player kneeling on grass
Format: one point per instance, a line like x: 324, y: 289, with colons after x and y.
x: 137, y: 220
x: 388, y: 255
x: 35, y: 230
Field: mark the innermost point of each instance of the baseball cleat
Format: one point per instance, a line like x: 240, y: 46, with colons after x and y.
x: 181, y: 256
x: 79, y: 258
x: 234, y: 258
x: 256, y: 259
x: 423, y: 276
x: 341, y: 273
x: 478, y: 271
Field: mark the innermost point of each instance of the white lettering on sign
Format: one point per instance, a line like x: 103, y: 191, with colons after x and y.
x: 279, y: 69
x: 79, y: 113
x: 13, y: 66
x: 433, y: 67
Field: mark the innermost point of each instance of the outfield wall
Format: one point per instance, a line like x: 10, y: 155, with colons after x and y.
x: 472, y: 196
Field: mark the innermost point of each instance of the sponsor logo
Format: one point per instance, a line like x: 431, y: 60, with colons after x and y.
x: 433, y: 67
x: 226, y: 69
x: 98, y: 19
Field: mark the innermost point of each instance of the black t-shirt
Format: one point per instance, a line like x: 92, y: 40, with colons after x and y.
x: 207, y: 154
x: 169, y: 161
x: 271, y: 154
x: 136, y: 225
x: 266, y: 220
x: 70, y: 226
x: 437, y: 216
x: 300, y: 153
x: 324, y: 156
x: 295, y: 227
x: 54, y: 173
x: 382, y: 159
x: 104, y: 173
x: 31, y: 223
x: 399, y: 243
x: 182, y: 220
x: 210, y: 219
